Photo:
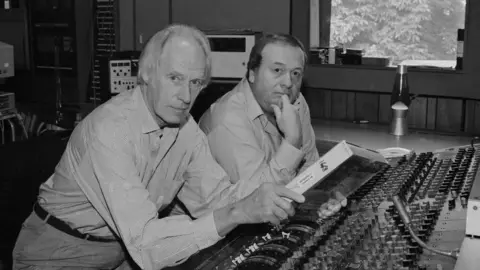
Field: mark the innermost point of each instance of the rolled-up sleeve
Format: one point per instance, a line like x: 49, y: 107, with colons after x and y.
x: 235, y: 147
x: 112, y: 184
x: 288, y: 157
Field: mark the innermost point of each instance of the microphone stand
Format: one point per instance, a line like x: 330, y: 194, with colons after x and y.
x: 58, y: 84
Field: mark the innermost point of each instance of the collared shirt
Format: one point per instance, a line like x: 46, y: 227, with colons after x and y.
x: 119, y: 169
x: 248, y: 146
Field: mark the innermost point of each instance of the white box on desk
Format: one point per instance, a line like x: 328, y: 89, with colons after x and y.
x: 335, y: 161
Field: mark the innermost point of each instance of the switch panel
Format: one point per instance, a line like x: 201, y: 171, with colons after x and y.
x: 122, y: 75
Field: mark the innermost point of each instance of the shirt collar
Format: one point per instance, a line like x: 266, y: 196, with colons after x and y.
x: 253, y: 108
x: 148, y: 123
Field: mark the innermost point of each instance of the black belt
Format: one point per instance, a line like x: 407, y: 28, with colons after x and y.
x: 62, y: 226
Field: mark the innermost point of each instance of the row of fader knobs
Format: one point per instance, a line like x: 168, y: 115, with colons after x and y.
x: 372, y: 235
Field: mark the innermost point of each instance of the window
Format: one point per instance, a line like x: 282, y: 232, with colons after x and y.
x: 424, y: 31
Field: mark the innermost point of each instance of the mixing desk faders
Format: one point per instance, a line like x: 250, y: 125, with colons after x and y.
x: 369, y: 233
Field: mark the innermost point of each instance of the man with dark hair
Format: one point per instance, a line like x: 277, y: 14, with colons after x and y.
x: 130, y: 158
x: 262, y: 129
x: 256, y: 56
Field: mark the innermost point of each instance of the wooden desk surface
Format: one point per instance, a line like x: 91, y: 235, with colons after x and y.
x: 374, y: 136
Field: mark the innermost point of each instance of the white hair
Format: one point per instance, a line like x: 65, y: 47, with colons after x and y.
x: 150, y: 57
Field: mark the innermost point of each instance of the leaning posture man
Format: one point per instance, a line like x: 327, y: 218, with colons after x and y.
x: 128, y: 159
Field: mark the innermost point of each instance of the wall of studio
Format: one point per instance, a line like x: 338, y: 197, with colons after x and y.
x: 140, y: 19
x: 448, y: 100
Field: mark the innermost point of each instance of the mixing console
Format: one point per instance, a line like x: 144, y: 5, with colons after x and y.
x: 368, y: 233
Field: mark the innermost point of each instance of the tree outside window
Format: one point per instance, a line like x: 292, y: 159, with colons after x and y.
x: 398, y: 29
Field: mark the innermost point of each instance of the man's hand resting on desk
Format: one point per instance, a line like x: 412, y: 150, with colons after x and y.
x: 267, y: 204
x: 332, y: 206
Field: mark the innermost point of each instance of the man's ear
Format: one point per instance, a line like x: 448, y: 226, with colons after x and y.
x: 251, y: 76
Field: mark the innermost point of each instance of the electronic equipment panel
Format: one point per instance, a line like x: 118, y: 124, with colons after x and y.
x: 122, y: 75
x: 7, y: 103
x: 117, y: 73
x: 230, y: 52
x: 371, y: 232
x: 6, y: 60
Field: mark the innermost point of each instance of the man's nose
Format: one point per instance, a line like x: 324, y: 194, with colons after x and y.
x: 185, y: 94
x: 287, y: 80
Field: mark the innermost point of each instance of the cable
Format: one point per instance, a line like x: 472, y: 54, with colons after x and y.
x: 452, y: 254
x: 397, y: 202
x: 22, y: 125
x: 41, y: 128
x: 12, y: 128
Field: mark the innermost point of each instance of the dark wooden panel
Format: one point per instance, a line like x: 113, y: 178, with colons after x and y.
x: 151, y: 16
x: 384, y: 109
x: 126, y: 25
x: 470, y: 116
x: 471, y: 55
x: 351, y: 106
x: 339, y: 105
x: 476, y: 119
x: 265, y: 15
x: 315, y: 100
x: 362, y: 79
x: 300, y: 24
x: 366, y: 107
x: 327, y: 103
x: 431, y: 112
x: 449, y: 115
x: 417, y: 113
x: 442, y: 114
x: 325, y: 16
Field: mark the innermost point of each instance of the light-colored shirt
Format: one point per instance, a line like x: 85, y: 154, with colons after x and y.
x: 248, y: 146
x: 119, y: 169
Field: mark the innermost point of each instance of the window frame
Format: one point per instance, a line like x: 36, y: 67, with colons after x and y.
x: 423, y: 81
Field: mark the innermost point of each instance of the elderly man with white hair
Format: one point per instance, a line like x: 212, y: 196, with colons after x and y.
x: 128, y: 159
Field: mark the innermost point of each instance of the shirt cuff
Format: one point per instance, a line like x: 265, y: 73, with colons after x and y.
x: 207, y: 233
x: 288, y: 156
